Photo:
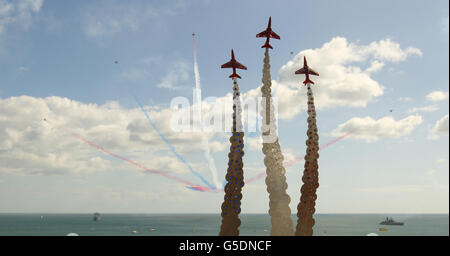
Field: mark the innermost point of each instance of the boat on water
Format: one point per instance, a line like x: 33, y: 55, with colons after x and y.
x: 390, y: 221
x: 96, y: 216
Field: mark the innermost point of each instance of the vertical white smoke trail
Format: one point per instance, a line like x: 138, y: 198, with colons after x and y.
x: 197, y: 113
x: 279, y: 200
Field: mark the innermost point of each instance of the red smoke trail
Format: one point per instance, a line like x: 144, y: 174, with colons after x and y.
x: 133, y: 162
x: 92, y: 144
x: 257, y: 177
x: 195, y: 50
x: 298, y: 159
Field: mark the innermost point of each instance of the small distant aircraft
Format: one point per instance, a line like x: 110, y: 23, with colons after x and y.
x: 234, y: 65
x: 193, y: 34
x: 307, y: 71
x: 268, y: 33
x: 115, y: 62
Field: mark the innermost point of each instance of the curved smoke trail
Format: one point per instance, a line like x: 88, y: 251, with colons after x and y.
x: 276, y: 180
x: 172, y: 148
x: 300, y: 158
x: 306, y: 207
x: 231, y: 206
x: 92, y: 144
x: 204, y: 140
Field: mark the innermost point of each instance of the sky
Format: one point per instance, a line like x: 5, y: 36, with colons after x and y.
x: 383, y: 73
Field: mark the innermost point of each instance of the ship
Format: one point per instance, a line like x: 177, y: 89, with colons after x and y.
x: 96, y: 216
x: 390, y: 221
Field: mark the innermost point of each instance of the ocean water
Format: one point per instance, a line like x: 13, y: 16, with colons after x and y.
x: 209, y: 224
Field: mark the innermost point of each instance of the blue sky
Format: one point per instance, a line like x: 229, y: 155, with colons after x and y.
x: 372, y: 56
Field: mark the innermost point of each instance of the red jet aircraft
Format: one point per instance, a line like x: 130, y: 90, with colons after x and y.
x: 234, y: 65
x: 268, y: 33
x: 307, y: 71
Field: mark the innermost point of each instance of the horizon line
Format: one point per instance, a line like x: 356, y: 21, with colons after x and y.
x: 416, y: 213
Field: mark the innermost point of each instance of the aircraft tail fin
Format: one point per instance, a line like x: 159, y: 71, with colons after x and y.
x: 235, y: 75
x: 267, y: 45
x: 307, y: 81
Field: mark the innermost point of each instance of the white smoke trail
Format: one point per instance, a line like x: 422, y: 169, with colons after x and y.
x: 279, y: 200
x: 197, y: 110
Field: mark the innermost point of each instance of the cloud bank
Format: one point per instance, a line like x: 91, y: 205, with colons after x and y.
x: 30, y: 146
x: 372, y: 130
x: 343, y: 80
x: 439, y: 128
x: 437, y: 96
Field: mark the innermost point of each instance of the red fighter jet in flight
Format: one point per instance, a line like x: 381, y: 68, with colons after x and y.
x: 234, y: 65
x: 307, y: 71
x: 268, y: 33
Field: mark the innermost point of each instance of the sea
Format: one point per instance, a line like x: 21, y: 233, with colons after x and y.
x: 209, y: 224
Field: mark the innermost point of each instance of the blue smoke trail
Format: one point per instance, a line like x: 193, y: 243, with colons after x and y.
x: 171, y: 146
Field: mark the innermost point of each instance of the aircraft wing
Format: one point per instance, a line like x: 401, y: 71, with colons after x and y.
x: 262, y: 34
x: 312, y: 72
x: 301, y: 71
x: 274, y: 35
x: 239, y: 65
x: 304, y: 71
x: 229, y: 64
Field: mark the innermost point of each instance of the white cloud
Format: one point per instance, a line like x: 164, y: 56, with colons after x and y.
x: 440, y: 127
x: 437, y: 96
x: 431, y: 108
x: 176, y: 76
x: 217, y: 146
x: 388, y: 50
x: 342, y: 80
x: 372, y: 130
x: 254, y: 143
x: 18, y: 12
x: 375, y: 66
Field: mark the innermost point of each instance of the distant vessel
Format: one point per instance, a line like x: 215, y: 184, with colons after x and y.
x: 96, y: 216
x: 390, y: 221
